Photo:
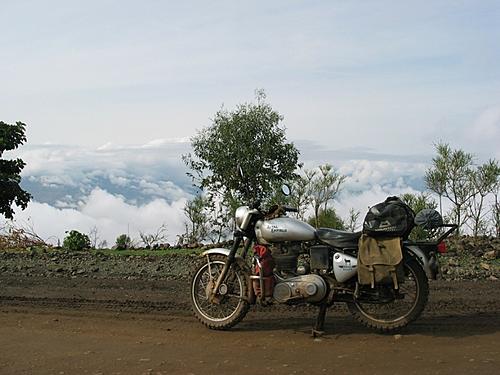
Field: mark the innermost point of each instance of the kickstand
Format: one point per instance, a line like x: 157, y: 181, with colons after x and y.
x: 319, y: 326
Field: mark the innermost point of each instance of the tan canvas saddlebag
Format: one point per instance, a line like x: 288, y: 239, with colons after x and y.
x: 380, y: 261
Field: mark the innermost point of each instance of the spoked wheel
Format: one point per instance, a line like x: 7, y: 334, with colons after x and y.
x: 394, y: 309
x: 231, y: 305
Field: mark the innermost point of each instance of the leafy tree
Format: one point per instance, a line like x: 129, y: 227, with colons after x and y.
x: 252, y: 137
x: 324, y: 184
x: 196, y: 226
x: 495, y: 210
x: 418, y: 202
x: 76, y: 241
x: 300, y: 198
x: 327, y: 219
x: 123, y: 242
x: 11, y: 137
x: 454, y: 176
x: 485, y: 181
x: 220, y: 220
x: 450, y: 177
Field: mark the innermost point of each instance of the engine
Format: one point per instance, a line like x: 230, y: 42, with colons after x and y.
x: 291, y: 274
x: 294, y: 282
x: 285, y: 257
x: 310, y: 288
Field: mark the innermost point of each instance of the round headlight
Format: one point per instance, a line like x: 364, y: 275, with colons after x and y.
x: 240, y: 214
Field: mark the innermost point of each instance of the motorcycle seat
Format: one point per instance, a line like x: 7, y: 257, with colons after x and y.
x: 339, y: 238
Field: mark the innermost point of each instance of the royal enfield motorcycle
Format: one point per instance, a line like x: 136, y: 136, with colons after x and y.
x: 294, y: 263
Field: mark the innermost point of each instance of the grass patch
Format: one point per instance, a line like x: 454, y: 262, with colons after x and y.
x: 111, y: 252
x: 145, y: 252
x: 495, y: 262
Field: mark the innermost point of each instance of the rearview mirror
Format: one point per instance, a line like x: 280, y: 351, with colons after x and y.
x: 285, y: 189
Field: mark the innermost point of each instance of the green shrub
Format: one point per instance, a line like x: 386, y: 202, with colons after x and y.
x: 76, y: 241
x: 123, y: 242
x: 327, y: 219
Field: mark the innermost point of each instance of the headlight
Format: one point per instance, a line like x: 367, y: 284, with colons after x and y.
x: 239, y: 216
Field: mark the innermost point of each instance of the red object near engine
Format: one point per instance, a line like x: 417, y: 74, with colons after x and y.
x: 264, y: 267
x: 266, y: 260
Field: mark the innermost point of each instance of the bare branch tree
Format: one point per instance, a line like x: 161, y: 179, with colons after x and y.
x: 20, y: 235
x: 94, y: 237
x: 352, y: 221
x: 151, y: 239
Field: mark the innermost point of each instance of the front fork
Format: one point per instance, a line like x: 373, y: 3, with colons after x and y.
x: 214, y: 295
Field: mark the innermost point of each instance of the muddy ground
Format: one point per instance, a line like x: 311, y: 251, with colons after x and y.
x: 81, y: 325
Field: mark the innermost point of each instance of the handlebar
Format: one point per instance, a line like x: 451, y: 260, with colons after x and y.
x: 278, y: 210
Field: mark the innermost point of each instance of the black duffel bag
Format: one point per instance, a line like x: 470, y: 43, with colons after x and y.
x: 391, y: 218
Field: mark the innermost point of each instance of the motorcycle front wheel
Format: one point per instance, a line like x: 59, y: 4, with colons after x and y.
x: 231, y: 305
x: 407, y: 305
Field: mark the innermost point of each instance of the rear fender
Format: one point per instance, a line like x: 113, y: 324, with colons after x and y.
x: 429, y: 264
x: 241, y: 263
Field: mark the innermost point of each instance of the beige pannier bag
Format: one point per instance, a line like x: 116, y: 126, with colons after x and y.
x: 380, y: 261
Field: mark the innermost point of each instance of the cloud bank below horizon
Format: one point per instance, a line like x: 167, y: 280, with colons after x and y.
x: 132, y: 189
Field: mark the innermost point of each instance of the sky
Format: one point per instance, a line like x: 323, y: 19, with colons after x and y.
x: 112, y: 91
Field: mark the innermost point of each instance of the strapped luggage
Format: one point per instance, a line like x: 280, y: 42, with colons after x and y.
x: 391, y: 218
x: 380, y: 261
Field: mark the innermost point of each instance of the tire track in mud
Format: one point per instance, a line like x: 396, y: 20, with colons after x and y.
x: 171, y: 296
x: 140, y: 306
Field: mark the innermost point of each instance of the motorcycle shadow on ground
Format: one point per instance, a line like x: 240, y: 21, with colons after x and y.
x: 451, y: 326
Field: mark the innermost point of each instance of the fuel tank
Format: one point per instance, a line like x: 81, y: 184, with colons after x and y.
x: 283, y: 229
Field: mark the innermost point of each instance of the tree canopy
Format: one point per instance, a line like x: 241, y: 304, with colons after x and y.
x: 250, y: 137
x: 450, y: 175
x: 11, y: 137
x: 455, y: 176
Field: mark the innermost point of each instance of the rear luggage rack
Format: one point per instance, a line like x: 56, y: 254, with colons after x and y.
x: 452, y: 228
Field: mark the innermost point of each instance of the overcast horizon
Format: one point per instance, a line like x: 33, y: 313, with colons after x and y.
x: 112, y: 91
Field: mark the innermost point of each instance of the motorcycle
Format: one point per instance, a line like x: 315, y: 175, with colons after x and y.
x: 294, y: 263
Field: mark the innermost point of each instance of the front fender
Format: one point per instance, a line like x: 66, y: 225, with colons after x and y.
x: 225, y: 252
x: 217, y: 250
x: 241, y: 263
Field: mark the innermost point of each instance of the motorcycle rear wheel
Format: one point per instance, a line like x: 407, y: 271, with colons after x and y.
x: 233, y: 304
x: 392, y: 316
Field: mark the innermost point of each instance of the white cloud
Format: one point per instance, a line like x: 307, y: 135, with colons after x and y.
x: 118, y: 180
x: 488, y: 123
x: 363, y: 174
x: 109, y: 213
x: 485, y: 132
x: 155, y: 143
x: 136, y: 172
x: 138, y: 187
x: 362, y: 201
x: 52, y: 181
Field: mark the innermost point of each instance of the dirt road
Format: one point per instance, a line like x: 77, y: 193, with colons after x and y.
x: 117, y: 326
